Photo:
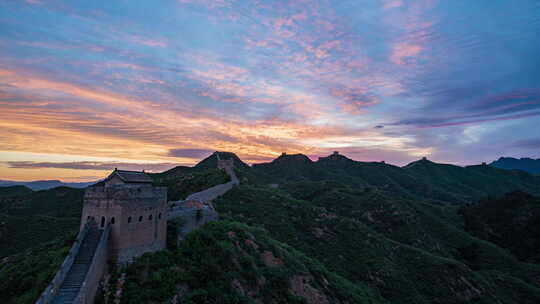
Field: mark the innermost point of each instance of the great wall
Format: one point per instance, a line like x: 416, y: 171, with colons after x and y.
x: 122, y: 219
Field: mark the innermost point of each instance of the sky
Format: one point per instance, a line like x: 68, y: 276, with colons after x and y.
x: 87, y: 86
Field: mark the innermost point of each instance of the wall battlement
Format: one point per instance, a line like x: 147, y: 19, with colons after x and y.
x: 126, y: 192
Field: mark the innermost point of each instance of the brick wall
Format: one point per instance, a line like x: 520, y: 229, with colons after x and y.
x: 193, y: 215
x: 137, y: 215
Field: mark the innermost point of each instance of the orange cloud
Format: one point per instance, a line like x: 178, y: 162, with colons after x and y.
x: 46, y: 125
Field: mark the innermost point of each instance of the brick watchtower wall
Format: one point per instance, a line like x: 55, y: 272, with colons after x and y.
x: 137, y: 215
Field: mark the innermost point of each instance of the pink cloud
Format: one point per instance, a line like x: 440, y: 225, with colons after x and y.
x: 211, y: 4
x: 404, y: 53
x: 148, y: 41
x: 389, y: 4
x: 415, y: 32
x: 354, y: 100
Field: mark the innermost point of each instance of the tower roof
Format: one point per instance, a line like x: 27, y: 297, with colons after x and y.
x: 132, y: 177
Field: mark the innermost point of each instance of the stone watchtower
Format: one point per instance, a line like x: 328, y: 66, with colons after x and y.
x: 225, y: 164
x: 134, y: 208
x: 228, y: 166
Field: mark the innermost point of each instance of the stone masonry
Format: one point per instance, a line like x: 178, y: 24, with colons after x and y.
x: 136, y: 211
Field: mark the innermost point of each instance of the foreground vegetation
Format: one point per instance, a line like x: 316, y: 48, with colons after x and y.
x: 511, y: 221
x: 25, y: 275
x: 228, y: 262
x: 412, y: 252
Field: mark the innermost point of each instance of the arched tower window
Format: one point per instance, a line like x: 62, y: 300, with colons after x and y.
x: 159, y: 216
x: 129, y: 219
x: 150, y: 217
x: 112, y: 220
x: 140, y: 218
x: 102, y: 221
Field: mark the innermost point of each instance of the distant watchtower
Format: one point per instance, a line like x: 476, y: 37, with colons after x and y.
x: 224, y: 163
x: 335, y: 156
x: 135, y: 209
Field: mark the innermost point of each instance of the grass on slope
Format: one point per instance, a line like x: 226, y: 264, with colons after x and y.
x: 227, y: 262
x: 18, y: 233
x: 31, y: 219
x: 409, y: 251
x: 421, y: 179
x: 24, y: 276
x: 511, y: 221
x: 57, y: 202
x: 14, y: 191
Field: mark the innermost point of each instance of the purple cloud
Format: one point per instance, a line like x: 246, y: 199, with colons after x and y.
x: 532, y: 143
x: 89, y: 165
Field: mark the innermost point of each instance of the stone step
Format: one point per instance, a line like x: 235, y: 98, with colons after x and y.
x: 69, y: 289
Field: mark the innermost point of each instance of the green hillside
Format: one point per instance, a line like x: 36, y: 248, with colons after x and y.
x: 412, y: 252
x: 398, y: 230
x: 529, y: 165
x: 14, y: 191
x: 420, y: 179
x: 24, y: 276
x: 511, y: 221
x: 330, y: 231
x: 228, y: 262
x: 33, y: 218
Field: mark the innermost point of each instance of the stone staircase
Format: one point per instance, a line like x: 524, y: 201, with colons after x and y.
x: 69, y: 289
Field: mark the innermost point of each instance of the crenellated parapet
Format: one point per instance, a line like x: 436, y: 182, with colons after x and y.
x: 127, y: 192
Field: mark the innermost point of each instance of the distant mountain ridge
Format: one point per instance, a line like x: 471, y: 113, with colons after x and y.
x: 395, y: 228
x: 421, y: 178
x: 529, y: 165
x: 526, y: 164
x: 45, y: 184
x: 335, y: 230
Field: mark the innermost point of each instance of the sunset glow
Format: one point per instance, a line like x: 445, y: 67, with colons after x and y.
x: 86, y: 86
